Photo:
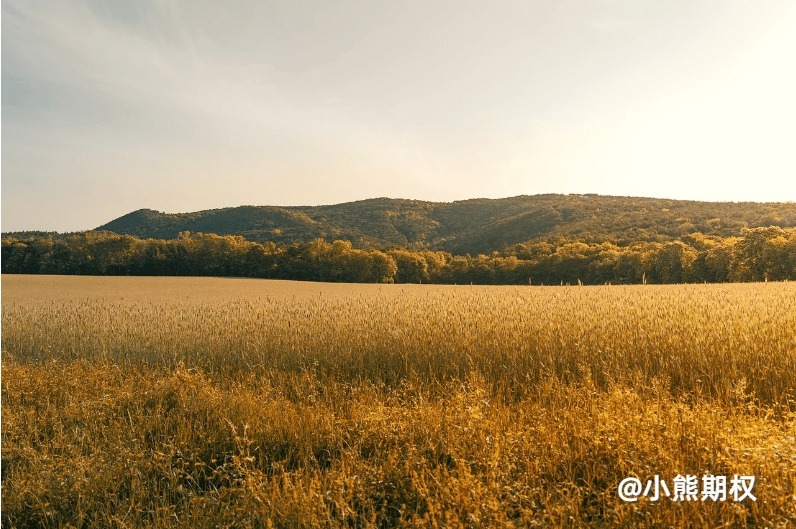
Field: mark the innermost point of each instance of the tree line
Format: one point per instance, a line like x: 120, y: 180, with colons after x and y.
x: 760, y: 254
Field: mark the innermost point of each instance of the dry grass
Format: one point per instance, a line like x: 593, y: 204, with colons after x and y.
x: 43, y: 289
x: 195, y: 402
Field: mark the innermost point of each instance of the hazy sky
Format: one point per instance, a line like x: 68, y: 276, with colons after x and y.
x: 111, y: 106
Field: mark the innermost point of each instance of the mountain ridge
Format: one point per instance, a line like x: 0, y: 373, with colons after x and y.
x: 478, y: 225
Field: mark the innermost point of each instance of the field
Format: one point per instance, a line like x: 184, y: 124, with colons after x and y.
x: 201, y: 402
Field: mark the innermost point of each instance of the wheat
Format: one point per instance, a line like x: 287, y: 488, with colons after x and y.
x: 199, y: 402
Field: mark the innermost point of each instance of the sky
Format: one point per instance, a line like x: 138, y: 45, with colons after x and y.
x: 113, y: 106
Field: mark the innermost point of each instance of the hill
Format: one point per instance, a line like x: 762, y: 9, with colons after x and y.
x: 468, y: 226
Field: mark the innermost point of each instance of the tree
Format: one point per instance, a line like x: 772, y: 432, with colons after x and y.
x: 763, y: 252
x: 412, y: 266
x: 671, y: 263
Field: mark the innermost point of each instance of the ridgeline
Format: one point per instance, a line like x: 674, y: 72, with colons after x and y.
x: 547, y: 239
x: 469, y: 226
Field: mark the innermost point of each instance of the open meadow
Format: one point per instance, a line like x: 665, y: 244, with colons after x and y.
x: 205, y: 402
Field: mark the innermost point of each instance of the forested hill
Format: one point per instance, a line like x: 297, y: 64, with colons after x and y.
x: 469, y: 226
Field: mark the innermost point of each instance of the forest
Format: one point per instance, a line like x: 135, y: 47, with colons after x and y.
x: 758, y: 254
x: 476, y: 226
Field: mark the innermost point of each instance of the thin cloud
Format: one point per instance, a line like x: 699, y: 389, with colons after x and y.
x: 157, y: 69
x: 611, y: 24
x: 151, y: 103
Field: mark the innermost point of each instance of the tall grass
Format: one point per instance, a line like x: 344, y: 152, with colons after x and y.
x: 471, y: 407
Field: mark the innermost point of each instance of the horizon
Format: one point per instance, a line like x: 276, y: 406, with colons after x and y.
x: 4, y: 231
x: 186, y: 106
x: 370, y: 199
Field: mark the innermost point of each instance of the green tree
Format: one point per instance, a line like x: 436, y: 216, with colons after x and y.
x: 412, y: 266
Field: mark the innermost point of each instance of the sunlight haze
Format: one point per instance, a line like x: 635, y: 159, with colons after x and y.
x: 177, y: 106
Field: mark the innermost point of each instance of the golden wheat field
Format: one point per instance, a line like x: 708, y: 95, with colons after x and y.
x: 201, y: 402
